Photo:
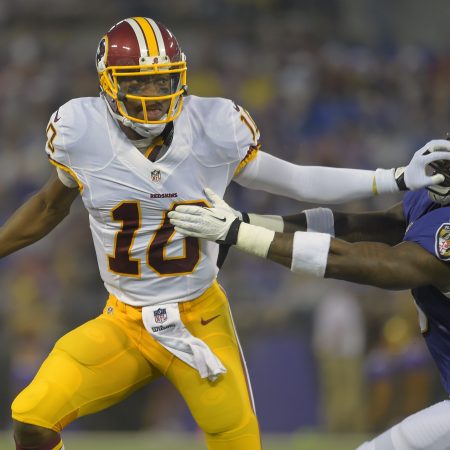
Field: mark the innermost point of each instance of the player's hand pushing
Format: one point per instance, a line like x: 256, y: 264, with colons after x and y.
x: 414, y: 175
x: 219, y: 223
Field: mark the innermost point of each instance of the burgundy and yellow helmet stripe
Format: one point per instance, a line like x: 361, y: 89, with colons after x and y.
x: 148, y: 31
x: 140, y: 46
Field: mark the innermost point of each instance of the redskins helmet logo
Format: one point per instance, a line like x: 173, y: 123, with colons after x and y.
x: 443, y: 242
x: 100, y: 55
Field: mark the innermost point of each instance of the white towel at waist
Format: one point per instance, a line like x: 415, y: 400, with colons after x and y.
x: 163, y: 322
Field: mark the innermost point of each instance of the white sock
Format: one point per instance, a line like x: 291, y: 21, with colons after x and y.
x: 428, y: 429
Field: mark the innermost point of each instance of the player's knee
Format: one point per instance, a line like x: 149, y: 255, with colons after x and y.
x: 228, y: 421
x: 27, y: 435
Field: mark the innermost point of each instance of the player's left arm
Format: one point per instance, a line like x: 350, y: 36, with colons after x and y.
x: 329, y: 185
x: 386, y: 226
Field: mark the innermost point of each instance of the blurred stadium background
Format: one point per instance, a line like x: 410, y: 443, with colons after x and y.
x: 351, y: 83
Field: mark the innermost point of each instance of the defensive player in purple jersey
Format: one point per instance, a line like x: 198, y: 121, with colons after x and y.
x: 405, y: 247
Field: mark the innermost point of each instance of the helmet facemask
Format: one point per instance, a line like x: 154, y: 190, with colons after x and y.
x: 146, y: 87
x: 440, y: 193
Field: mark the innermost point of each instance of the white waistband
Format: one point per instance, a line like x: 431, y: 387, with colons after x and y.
x: 163, y: 322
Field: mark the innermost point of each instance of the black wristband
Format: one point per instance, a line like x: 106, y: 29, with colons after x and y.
x: 231, y: 237
x: 399, y: 176
x: 245, y: 217
x: 223, y: 252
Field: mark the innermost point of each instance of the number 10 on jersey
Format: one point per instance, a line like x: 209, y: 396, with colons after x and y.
x: 122, y: 262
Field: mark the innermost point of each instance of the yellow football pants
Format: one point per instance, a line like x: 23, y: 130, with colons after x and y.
x: 106, y: 359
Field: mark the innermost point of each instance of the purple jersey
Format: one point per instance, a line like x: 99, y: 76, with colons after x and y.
x: 428, y: 224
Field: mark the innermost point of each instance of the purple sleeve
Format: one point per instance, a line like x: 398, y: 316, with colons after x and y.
x: 432, y: 232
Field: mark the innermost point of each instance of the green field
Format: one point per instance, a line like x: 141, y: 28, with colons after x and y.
x: 157, y: 441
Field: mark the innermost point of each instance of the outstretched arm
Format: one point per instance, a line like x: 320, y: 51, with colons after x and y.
x: 37, y: 216
x: 328, y: 185
x: 381, y: 226
x: 406, y: 265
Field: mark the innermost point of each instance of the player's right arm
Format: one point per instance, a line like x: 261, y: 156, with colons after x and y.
x: 37, y: 216
x: 403, y: 266
x: 331, y: 185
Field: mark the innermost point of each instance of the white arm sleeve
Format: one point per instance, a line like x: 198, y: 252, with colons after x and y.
x: 309, y: 183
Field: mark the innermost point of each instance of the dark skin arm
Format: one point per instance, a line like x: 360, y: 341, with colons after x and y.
x: 37, y: 216
x: 31, y: 222
x: 403, y: 266
x: 381, y: 226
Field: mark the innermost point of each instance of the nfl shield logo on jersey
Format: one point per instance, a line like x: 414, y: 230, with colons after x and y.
x: 156, y: 175
x: 160, y: 315
x: 443, y: 242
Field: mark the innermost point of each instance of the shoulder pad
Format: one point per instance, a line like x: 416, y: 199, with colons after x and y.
x: 217, y: 124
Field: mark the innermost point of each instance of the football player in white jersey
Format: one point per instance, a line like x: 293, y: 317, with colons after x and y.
x: 135, y: 153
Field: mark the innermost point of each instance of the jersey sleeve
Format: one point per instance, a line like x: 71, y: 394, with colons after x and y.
x: 62, y: 136
x: 66, y: 178
x: 432, y: 232
x: 227, y: 133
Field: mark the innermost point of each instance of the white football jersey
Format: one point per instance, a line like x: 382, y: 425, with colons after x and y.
x: 142, y: 260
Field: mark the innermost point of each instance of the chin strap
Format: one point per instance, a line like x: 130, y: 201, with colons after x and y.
x: 147, y: 130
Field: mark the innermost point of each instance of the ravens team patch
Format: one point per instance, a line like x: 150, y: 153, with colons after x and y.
x: 443, y: 242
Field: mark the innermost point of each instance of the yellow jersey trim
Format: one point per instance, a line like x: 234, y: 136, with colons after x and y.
x: 250, y: 156
x: 69, y: 171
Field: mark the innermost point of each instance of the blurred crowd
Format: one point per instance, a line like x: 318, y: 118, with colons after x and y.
x: 325, y: 89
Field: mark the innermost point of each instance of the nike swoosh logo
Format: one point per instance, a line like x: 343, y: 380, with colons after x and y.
x: 205, y: 322
x: 223, y: 219
x: 56, y: 117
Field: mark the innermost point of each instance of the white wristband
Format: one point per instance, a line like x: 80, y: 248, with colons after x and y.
x: 310, y: 253
x: 255, y: 240
x: 275, y: 223
x: 320, y: 220
x: 384, y: 182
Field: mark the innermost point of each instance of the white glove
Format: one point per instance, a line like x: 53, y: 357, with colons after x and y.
x: 212, y: 223
x: 414, y: 175
x: 218, y: 202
